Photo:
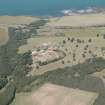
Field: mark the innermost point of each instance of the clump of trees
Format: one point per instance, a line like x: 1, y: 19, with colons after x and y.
x: 38, y: 23
x: 9, y: 57
x: 3, y: 82
x: 7, y: 94
x: 14, y: 64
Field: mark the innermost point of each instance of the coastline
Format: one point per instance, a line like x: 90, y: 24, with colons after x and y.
x: 89, y: 10
x: 6, y: 21
x: 77, y: 20
x: 94, y: 17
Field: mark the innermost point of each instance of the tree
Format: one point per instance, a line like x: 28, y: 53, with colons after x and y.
x: 37, y: 67
x: 79, y: 41
x: 90, y: 51
x: 97, y: 35
x: 68, y: 38
x: 3, y: 82
x: 66, y: 49
x: 63, y: 62
x: 104, y: 36
x: 64, y: 41
x: 90, y: 40
x: 83, y: 55
x: 72, y: 40
x: 77, y: 46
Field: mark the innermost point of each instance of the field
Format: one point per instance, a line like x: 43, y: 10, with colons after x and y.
x: 12, y: 21
x: 3, y: 36
x: 70, y: 48
x: 16, y: 20
x: 79, y: 20
x: 76, y: 79
x: 33, y: 42
x: 50, y: 94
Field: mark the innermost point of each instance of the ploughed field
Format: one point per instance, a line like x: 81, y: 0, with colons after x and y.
x: 50, y: 94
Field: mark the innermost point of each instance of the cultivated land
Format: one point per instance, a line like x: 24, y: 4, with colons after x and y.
x: 50, y: 94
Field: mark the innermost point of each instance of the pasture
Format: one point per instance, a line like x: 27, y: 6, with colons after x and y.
x: 76, y: 52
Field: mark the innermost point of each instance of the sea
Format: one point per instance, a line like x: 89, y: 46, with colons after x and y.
x: 49, y: 7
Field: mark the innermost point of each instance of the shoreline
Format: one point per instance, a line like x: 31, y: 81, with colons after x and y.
x: 63, y: 12
x: 89, y: 10
x: 83, y: 20
x: 96, y: 19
